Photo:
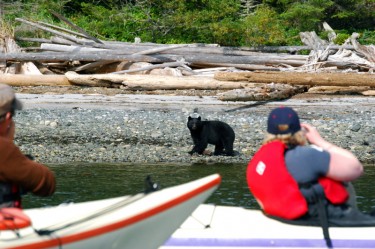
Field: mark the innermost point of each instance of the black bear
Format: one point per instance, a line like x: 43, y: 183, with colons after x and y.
x: 217, y: 133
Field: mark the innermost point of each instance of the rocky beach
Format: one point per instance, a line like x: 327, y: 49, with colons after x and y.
x: 64, y: 127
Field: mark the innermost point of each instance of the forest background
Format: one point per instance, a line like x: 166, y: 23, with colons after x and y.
x: 224, y: 22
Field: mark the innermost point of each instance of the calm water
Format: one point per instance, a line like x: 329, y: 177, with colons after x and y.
x: 84, y: 182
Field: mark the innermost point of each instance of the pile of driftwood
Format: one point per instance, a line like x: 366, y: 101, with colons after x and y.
x: 77, y: 58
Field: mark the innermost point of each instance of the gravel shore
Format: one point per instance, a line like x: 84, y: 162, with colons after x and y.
x: 65, y: 128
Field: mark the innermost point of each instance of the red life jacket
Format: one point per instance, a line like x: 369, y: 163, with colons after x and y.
x: 275, y: 189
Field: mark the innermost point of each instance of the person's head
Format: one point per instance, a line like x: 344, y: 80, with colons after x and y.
x: 8, y: 105
x: 283, y: 124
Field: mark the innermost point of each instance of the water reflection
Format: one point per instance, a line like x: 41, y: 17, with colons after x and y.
x: 84, y: 182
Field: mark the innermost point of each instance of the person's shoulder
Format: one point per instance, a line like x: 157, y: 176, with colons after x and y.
x: 307, y: 154
x: 306, y: 150
x: 314, y: 147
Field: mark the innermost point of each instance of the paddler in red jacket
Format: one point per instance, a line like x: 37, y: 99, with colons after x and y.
x: 17, y: 172
x: 295, y: 167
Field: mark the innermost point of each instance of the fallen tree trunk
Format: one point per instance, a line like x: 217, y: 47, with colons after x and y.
x: 152, y: 82
x: 34, y: 80
x: 98, y: 56
x: 179, y: 49
x: 66, y: 36
x: 340, y: 89
x: 250, y: 67
x: 262, y: 92
x: 290, y: 49
x: 300, y: 78
x: 170, y: 64
x: 202, y: 59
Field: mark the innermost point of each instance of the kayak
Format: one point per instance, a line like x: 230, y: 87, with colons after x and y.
x: 144, y: 220
x: 212, y: 226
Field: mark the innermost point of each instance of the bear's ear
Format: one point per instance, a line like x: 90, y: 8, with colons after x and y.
x: 189, y: 118
x: 199, y: 118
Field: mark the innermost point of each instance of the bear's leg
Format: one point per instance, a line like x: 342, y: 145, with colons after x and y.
x: 219, y: 149
x: 229, y: 148
x: 199, y: 148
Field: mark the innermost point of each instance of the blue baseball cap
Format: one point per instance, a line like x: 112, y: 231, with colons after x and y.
x: 283, y: 120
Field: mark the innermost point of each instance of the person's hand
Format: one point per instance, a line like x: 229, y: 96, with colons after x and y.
x: 312, y: 134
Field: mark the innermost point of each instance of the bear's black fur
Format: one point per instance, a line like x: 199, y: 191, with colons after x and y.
x: 217, y: 133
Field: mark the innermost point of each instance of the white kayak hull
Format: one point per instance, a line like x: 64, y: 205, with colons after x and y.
x: 234, y: 227
x: 139, y: 221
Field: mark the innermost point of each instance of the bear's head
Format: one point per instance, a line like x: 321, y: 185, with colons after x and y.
x: 194, y: 124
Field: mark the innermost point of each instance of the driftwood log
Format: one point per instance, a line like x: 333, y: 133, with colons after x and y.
x: 364, y: 90
x: 152, y: 82
x: 300, y: 78
x: 262, y: 92
x: 34, y: 80
x: 73, y: 56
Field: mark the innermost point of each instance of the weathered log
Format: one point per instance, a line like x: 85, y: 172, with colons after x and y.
x: 34, y: 80
x: 311, y: 39
x: 261, y: 92
x: 87, y: 35
x: 72, y: 48
x: 159, y: 49
x: 29, y: 68
x: 300, y: 78
x: 169, y: 64
x: 60, y: 40
x: 69, y: 37
x: 63, y: 29
x: 99, y: 56
x: 250, y: 67
x: 170, y: 83
x: 151, y: 82
x: 367, y: 51
x: 339, y: 89
x: 193, y: 48
x: 201, y: 59
x: 180, y: 49
x: 330, y: 32
x: 96, y: 80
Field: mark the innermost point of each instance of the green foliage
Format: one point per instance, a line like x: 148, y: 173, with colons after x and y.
x: 341, y: 38
x: 101, y: 21
x: 367, y: 37
x: 263, y: 28
x: 352, y: 14
x: 227, y: 33
x: 273, y: 22
x: 306, y: 16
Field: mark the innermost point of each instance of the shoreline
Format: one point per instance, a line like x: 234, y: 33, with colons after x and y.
x: 141, y: 128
